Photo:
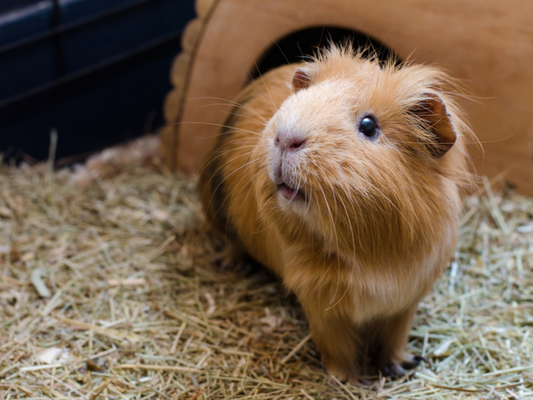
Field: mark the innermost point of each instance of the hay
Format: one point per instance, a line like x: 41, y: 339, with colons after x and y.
x: 107, y: 292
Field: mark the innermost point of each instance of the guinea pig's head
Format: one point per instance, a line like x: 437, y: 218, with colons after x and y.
x: 361, y: 154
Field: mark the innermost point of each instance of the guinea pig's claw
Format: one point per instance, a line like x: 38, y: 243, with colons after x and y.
x: 414, y: 362
x: 421, y: 358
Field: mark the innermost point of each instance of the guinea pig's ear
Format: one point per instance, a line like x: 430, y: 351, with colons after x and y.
x: 434, y: 116
x: 301, y: 78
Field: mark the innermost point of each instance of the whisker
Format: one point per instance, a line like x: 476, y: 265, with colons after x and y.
x: 356, y: 219
x: 349, y: 222
x: 222, y: 153
x: 220, y: 184
x: 233, y: 103
x: 273, y: 103
x: 250, y: 117
x: 335, y: 235
x: 213, y: 124
x: 226, y: 198
x: 338, y: 275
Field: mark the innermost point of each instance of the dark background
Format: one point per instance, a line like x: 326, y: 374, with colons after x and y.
x: 96, y: 71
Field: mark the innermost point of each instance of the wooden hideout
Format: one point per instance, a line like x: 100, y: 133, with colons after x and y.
x: 487, y: 44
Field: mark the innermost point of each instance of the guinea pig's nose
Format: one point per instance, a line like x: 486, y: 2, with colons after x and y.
x: 289, y: 142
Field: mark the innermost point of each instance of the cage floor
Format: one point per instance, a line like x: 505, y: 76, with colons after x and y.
x: 108, y: 292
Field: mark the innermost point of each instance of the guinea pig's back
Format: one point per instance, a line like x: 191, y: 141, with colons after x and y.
x: 226, y: 179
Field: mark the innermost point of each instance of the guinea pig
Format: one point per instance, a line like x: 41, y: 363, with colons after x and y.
x: 343, y: 176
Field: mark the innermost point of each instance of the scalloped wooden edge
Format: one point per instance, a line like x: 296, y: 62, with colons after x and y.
x: 203, y: 7
x: 172, y: 107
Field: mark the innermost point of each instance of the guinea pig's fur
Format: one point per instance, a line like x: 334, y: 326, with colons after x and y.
x: 358, y: 227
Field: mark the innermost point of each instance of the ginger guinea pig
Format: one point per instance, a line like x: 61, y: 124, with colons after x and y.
x: 342, y: 176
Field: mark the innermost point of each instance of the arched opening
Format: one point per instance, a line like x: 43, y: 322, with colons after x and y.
x: 296, y: 46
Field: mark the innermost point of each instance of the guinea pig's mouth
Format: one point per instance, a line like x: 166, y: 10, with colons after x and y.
x: 291, y: 193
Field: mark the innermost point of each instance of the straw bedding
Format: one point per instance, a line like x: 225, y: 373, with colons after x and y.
x: 108, y: 291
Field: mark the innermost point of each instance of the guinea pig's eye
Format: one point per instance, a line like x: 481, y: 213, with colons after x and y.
x: 368, y: 127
